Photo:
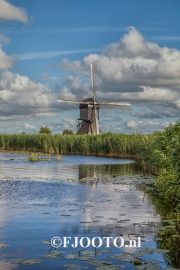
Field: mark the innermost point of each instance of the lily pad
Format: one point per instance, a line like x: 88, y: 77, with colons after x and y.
x: 30, y: 262
x: 99, y: 263
x: 77, y: 257
x: 83, y: 258
x: 54, y: 254
x: 153, y: 261
x: 88, y: 253
x: 85, y: 222
x: 120, y: 221
x: 71, y: 256
x: 47, y: 242
x: 148, y: 267
x: 104, y: 251
x: 122, y: 257
x: 134, y: 254
x: 3, y: 246
x: 154, y: 250
x: 159, y: 250
x: 137, y: 262
x: 110, y: 267
x: 74, y: 266
x: 70, y: 265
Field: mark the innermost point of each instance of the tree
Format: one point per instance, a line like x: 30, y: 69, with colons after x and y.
x: 45, y: 130
x: 68, y: 132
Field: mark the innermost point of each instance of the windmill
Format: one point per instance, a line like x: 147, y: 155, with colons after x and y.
x: 88, y: 123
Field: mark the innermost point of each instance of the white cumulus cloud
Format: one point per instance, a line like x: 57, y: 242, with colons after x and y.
x: 147, y: 126
x: 10, y: 12
x: 6, y: 61
x: 70, y: 121
x: 132, y: 70
x: 28, y: 126
x: 132, y: 124
x: 4, y: 39
x: 130, y: 64
x: 21, y: 96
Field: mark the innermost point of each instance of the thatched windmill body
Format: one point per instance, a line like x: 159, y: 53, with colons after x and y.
x: 88, y: 122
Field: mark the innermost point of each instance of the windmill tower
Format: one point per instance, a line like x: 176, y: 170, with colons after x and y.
x: 88, y: 123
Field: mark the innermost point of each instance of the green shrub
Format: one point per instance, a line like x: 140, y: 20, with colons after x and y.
x: 33, y: 157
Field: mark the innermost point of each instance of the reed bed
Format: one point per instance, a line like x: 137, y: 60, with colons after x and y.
x: 165, y: 157
x: 107, y: 144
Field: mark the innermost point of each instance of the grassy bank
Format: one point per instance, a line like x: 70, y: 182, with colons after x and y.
x: 164, y: 158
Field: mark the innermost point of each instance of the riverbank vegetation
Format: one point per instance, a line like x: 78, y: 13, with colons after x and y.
x: 158, y: 153
x: 164, y: 158
x: 107, y: 144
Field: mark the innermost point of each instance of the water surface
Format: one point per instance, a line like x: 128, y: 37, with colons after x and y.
x: 80, y: 196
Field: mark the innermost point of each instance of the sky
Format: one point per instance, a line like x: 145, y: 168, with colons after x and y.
x: 46, y: 48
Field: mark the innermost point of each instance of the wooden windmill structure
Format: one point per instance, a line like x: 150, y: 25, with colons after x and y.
x: 88, y: 123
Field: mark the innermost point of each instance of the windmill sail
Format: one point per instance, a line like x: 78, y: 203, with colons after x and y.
x: 92, y: 81
x: 115, y: 104
x: 100, y: 103
x: 95, y: 110
x: 71, y: 101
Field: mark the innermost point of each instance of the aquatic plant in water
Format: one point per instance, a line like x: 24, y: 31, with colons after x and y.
x: 33, y: 157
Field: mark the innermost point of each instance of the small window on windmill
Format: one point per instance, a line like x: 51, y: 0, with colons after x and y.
x: 83, y: 111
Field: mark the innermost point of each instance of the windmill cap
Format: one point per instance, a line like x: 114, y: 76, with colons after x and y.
x: 89, y: 100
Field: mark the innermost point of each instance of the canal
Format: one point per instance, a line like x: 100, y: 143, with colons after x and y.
x: 82, y: 196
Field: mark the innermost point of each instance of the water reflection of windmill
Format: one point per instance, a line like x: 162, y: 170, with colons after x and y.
x: 88, y: 171
x: 88, y: 123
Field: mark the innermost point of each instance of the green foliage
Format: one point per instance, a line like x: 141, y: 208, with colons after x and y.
x: 165, y: 157
x: 107, y: 144
x: 45, y: 130
x: 68, y: 132
x: 32, y: 157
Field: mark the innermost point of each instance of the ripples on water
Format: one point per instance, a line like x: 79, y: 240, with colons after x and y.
x: 70, y: 167
x: 37, y: 203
